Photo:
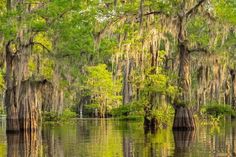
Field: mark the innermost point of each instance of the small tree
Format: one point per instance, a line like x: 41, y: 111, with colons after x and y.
x: 103, y: 90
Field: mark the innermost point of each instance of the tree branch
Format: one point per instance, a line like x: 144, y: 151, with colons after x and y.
x: 198, y: 50
x: 194, y: 9
x: 154, y: 13
x: 108, y: 26
x: 60, y: 16
x: 40, y: 44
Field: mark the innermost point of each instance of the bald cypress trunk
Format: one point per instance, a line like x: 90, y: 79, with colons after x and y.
x: 19, y: 92
x: 22, y: 95
x: 183, y: 119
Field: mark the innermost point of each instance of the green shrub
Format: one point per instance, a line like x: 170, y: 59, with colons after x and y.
x: 123, y: 110
x: 217, y: 110
x: 55, y: 117
x: 134, y: 109
x: 67, y: 114
x: 50, y: 117
x: 164, y: 115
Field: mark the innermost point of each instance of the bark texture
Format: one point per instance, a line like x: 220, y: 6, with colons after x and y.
x: 52, y: 98
x: 183, y: 119
x: 127, y: 85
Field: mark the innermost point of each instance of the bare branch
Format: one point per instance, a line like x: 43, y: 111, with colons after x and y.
x: 198, y: 50
x: 108, y: 26
x: 194, y: 9
x: 155, y: 13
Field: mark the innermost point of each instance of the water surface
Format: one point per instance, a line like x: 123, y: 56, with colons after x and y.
x: 110, y: 138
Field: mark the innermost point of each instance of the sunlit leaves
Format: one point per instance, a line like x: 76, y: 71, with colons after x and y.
x: 47, y: 68
x: 225, y: 10
x: 102, y: 88
x: 43, y: 39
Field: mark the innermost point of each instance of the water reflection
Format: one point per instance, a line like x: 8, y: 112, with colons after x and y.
x: 23, y: 144
x: 107, y: 138
x: 183, y: 141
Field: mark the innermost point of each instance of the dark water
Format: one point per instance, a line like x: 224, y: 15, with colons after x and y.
x: 109, y: 138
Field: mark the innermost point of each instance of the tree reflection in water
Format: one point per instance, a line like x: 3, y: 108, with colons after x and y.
x: 26, y: 144
x: 183, y: 141
x: 97, y: 138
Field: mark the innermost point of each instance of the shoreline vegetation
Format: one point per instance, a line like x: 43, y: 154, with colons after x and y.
x: 211, y: 114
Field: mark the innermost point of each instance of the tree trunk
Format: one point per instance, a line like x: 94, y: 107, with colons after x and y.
x: 127, y: 86
x: 184, y: 73
x: 22, y: 98
x: 21, y: 95
x: 233, y: 87
x: 150, y: 121
x: 183, y: 119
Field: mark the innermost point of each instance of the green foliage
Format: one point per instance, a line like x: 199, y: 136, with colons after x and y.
x: 225, y: 10
x: 216, y: 110
x: 103, y: 90
x: 123, y: 110
x: 164, y: 116
x: 134, y: 109
x: 50, y: 117
x: 159, y: 83
x: 78, y: 35
x: 66, y: 115
x: 92, y: 106
x: 198, y: 32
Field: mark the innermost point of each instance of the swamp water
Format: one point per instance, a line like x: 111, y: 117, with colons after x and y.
x: 111, y: 138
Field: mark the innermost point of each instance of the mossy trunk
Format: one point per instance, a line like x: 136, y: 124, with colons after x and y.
x: 21, y: 97
x: 150, y: 121
x: 24, y: 114
x: 127, y: 86
x: 21, y: 100
x: 183, y: 119
x: 52, y: 98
